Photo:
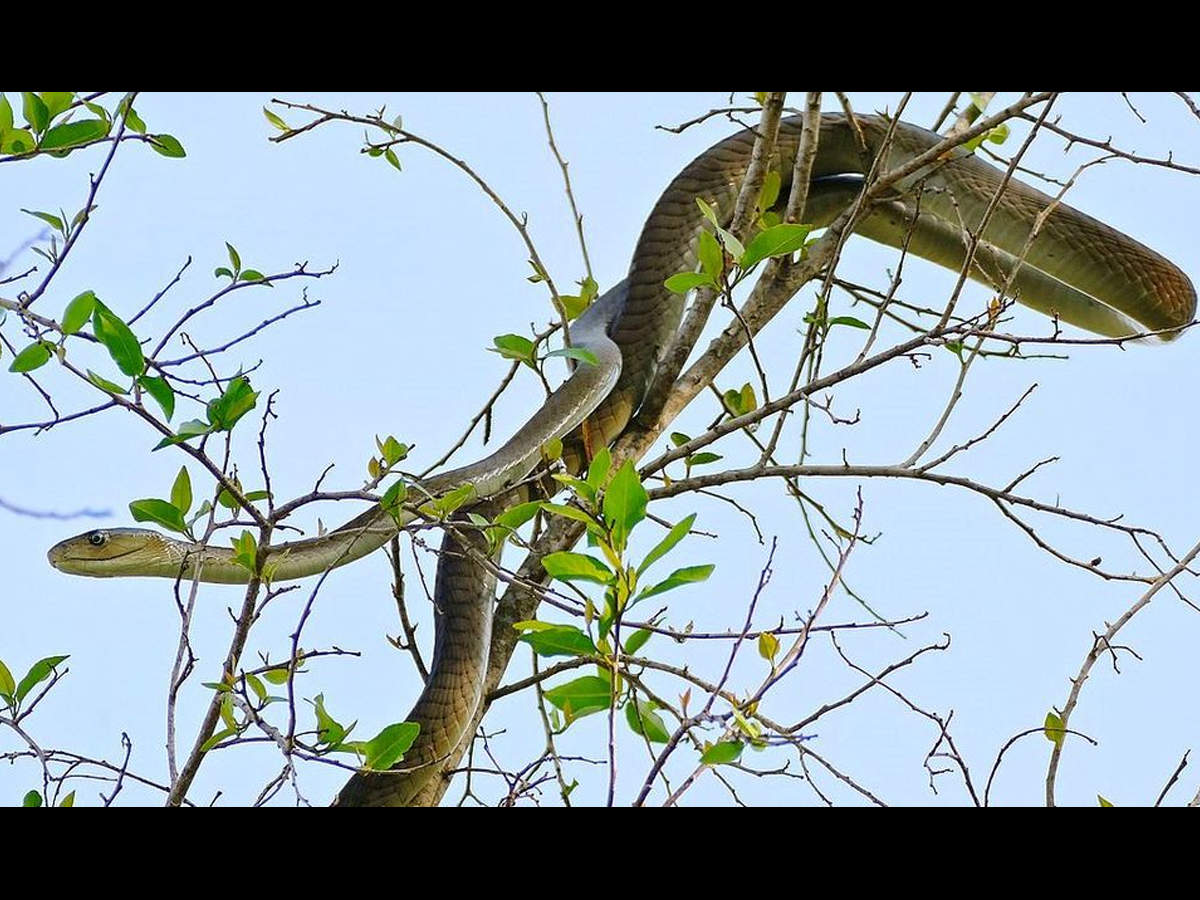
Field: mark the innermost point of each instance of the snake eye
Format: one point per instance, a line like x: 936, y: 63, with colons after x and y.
x: 97, y: 538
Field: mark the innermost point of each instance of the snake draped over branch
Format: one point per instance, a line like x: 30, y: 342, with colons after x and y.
x: 1075, y: 268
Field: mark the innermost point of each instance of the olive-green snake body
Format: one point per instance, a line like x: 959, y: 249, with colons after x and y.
x: 1076, y: 268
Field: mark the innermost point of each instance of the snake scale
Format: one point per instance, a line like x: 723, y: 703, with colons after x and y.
x: 1076, y: 268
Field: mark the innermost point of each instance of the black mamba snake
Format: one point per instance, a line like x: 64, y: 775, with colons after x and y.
x: 1077, y: 268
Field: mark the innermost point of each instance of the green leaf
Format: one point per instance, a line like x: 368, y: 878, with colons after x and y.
x: 712, y: 257
x: 514, y: 346
x: 442, y: 507
x: 1103, y: 801
x: 252, y: 275
x: 32, y: 357
x: 688, y: 575
x: 700, y: 459
x: 682, y: 282
x: 53, y: 221
x: 1054, y: 729
x: 567, y: 566
x: 32, y: 800
x: 277, y: 676
x: 329, y: 730
x: 222, y: 271
x: 571, y: 512
x: 78, y: 311
x: 392, y: 450
x: 275, y: 120
x: 582, y: 354
x: 237, y: 400
x: 181, y: 491
x: 674, y: 536
x: 38, y: 672
x: 161, y: 391
x: 624, y: 503
x: 581, y: 697
x: 160, y: 512
x: 57, y: 101
x: 389, y: 746
x: 637, y: 640
x: 167, y: 145
x: 849, y: 320
x: 217, y: 738
x: 394, y: 161
x: 708, y: 211
x: 768, y: 646
x: 133, y: 121
x: 122, y: 346
x: 72, y: 134
x: 256, y: 685
x: 742, y: 401
x: 68, y: 801
x: 999, y: 134
x: 17, y: 141
x: 245, y: 551
x: 189, y: 429
x: 559, y: 640
x: 36, y: 114
x: 6, y: 114
x: 778, y: 240
x: 393, y: 500
x: 769, y: 192
x: 722, y: 753
x: 104, y: 384
x: 8, y: 684
x: 597, y: 472
x: 574, y: 305
x: 644, y: 721
x: 678, y: 438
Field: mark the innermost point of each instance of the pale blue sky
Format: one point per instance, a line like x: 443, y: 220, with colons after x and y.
x: 429, y: 272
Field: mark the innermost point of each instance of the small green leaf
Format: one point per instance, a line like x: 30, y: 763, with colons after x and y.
x: 234, y: 257
x: 768, y: 646
x: 161, y: 391
x: 559, y: 640
x: 36, y: 114
x: 389, y: 746
x: 32, y: 800
x: 1054, y: 729
x: 78, y: 311
x: 252, y: 275
x: 678, y: 438
x: 392, y: 450
x: 329, y: 730
x: 181, y: 491
x: 1103, y: 801
x: 67, y: 801
x: 160, y: 512
x: 115, y: 335
x: 624, y: 503
x: 674, y: 536
x: 393, y: 500
x: 32, y: 357
x: 582, y: 354
x: 245, y: 551
x: 598, y: 469
x: 223, y: 271
x: 779, y: 240
x: 682, y: 282
x: 390, y: 155
x: 6, y: 114
x: 167, y: 145
x: 277, y: 676
x: 688, y: 575
x: 712, y: 257
x: 237, y: 400
x: 769, y: 193
x: 644, y: 721
x: 53, y: 221
x: 514, y: 346
x: 217, y: 738
x: 637, y: 640
x: 189, y: 429
x: 581, y: 697
x: 8, y: 684
x: 38, y: 672
x: 275, y: 120
x: 849, y: 320
x: 72, y: 134
x: 574, y: 305
x: 722, y: 753
x: 567, y: 566
x: 256, y: 685
x: 700, y: 459
x: 104, y: 384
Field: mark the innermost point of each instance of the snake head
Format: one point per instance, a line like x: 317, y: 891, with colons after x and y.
x: 111, y: 552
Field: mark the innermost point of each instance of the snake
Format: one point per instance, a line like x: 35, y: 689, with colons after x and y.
x: 1048, y: 255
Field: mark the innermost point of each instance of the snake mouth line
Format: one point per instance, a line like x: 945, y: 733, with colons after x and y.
x: 97, y: 559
